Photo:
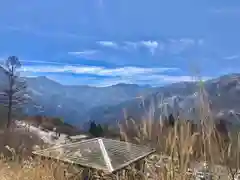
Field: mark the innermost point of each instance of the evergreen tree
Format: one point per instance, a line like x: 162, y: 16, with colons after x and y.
x: 171, y: 120
x: 15, y: 94
x: 95, y: 130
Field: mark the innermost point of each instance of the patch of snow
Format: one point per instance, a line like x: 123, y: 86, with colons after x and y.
x: 78, y: 137
x: 48, y: 137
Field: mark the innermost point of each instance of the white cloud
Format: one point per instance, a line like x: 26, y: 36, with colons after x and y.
x: 154, y: 80
x: 172, y: 45
x: 109, y: 76
x: 37, y: 62
x: 151, y: 45
x: 176, y: 78
x: 86, y: 52
x: 60, y: 69
x: 110, y: 44
x: 101, y: 71
x: 130, y: 71
x: 43, y: 62
x: 161, y: 78
x: 232, y: 57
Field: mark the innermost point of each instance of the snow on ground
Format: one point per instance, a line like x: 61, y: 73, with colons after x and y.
x: 48, y: 137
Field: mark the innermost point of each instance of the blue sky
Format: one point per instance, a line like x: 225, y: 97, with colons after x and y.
x: 104, y: 42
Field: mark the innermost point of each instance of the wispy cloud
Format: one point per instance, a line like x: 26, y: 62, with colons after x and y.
x: 129, y: 44
x: 171, y: 45
x: 108, y: 76
x: 154, y: 80
x: 151, y: 45
x: 23, y: 61
x: 232, y: 57
x: 110, y: 44
x: 176, y: 46
x: 187, y: 41
x: 85, y: 53
x: 226, y: 10
x: 94, y: 70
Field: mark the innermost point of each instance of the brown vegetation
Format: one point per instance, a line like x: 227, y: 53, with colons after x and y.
x: 183, y: 144
x: 180, y: 146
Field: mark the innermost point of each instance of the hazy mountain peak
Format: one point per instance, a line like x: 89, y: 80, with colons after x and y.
x: 42, y: 78
x: 125, y: 85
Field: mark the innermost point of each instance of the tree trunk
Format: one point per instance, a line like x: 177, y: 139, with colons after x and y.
x: 9, y: 120
x: 10, y: 98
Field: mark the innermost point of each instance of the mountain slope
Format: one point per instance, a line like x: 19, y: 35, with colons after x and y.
x: 78, y: 104
x: 223, y: 95
x: 138, y: 107
x: 72, y: 102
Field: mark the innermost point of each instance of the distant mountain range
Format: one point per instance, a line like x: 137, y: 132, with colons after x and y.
x: 222, y: 95
x: 79, y: 104
x: 73, y: 102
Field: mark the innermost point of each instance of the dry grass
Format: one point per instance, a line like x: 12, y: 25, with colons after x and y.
x: 186, y: 144
x: 25, y: 171
x: 179, y: 146
x: 180, y: 150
